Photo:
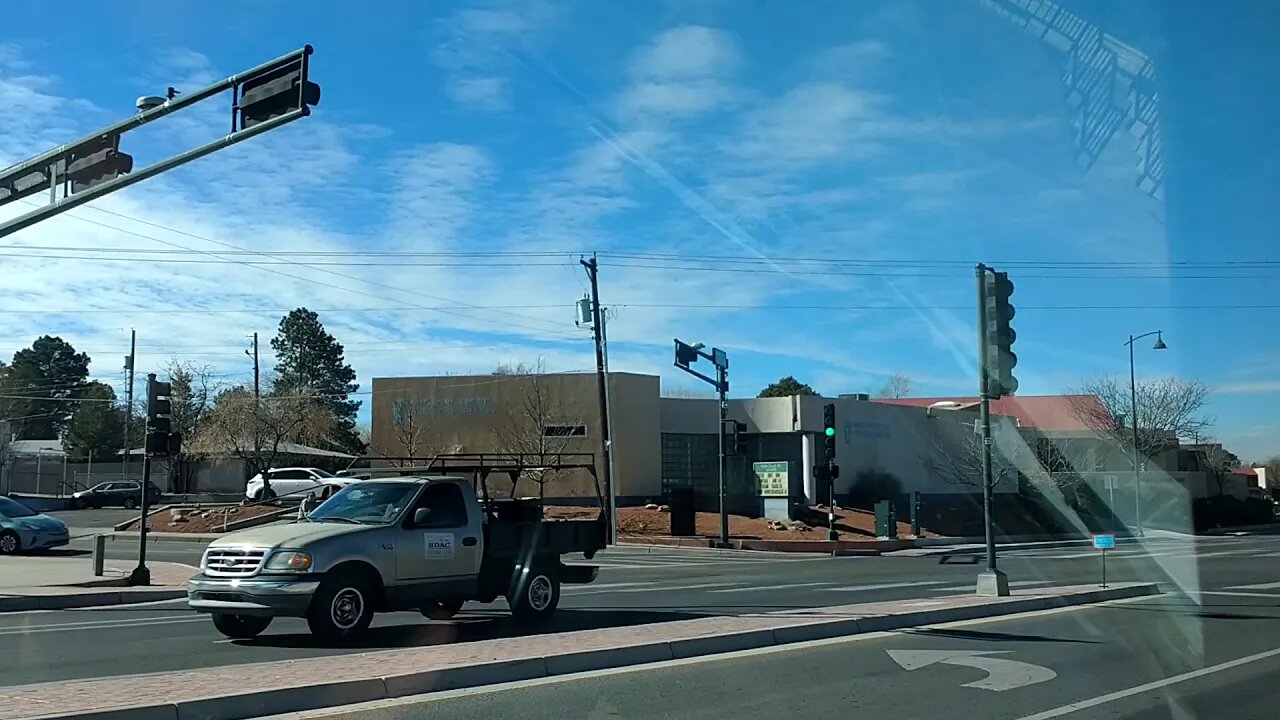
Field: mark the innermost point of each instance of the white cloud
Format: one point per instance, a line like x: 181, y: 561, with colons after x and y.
x: 682, y: 72
x: 489, y: 93
x: 475, y: 46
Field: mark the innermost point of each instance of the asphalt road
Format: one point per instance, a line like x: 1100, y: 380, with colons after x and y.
x: 634, y: 587
x: 89, y: 519
x: 1154, y: 658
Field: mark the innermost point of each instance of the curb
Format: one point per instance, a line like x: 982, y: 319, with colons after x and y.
x: 153, y: 536
x: 19, y: 603
x: 289, y: 699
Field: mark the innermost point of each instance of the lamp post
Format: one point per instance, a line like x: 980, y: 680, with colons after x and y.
x: 1133, y: 408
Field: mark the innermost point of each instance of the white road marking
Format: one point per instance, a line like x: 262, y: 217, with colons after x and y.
x: 1147, y: 687
x: 1259, y: 586
x: 884, y: 586
x: 1002, y: 673
x: 601, y: 586
x: 973, y: 586
x: 97, y: 625
x: 1235, y: 593
x: 772, y: 587
x: 655, y: 589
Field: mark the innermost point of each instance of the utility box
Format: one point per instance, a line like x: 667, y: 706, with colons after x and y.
x: 886, y: 520
x: 684, y: 520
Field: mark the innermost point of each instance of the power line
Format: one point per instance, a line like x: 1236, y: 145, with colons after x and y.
x: 296, y: 277
x: 954, y: 276
x: 617, y: 254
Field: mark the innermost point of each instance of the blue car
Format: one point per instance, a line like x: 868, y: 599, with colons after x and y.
x: 22, y: 528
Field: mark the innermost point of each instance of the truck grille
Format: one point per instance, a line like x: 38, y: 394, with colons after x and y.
x: 233, y: 561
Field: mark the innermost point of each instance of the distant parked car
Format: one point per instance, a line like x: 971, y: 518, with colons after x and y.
x: 295, y: 483
x: 22, y: 528
x: 122, y: 493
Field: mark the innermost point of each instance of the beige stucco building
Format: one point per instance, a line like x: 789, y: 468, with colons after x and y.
x: 659, y: 442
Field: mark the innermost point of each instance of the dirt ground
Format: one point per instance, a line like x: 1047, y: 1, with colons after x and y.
x: 203, y: 520
x: 637, y: 521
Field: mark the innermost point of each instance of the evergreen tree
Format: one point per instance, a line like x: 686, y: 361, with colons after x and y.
x: 40, y: 388
x: 786, y: 387
x: 309, y: 358
x: 97, y: 425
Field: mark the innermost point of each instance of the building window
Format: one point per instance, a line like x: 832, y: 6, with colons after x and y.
x: 564, y: 431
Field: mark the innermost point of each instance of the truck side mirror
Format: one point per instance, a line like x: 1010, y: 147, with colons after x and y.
x: 420, y: 516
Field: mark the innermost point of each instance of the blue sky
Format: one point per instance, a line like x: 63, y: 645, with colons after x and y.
x: 907, y: 140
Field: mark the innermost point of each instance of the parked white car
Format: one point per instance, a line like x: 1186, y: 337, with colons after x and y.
x: 295, y: 483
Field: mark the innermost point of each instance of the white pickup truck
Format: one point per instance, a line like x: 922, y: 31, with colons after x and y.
x: 417, y: 543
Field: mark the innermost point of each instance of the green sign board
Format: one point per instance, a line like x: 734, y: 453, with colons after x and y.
x: 774, y: 478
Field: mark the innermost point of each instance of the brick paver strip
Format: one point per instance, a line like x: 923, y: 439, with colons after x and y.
x: 250, y: 690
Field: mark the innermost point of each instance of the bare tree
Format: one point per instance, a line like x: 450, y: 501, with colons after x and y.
x: 194, y: 389
x: 684, y: 391
x: 413, y: 433
x: 1216, y: 462
x: 960, y: 462
x: 259, y: 433
x: 1169, y: 409
x: 537, y: 425
x: 897, y: 386
x: 520, y: 368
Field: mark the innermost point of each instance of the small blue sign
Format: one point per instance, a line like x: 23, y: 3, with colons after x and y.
x: 1104, y: 542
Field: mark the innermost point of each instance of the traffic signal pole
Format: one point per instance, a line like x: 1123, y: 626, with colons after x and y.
x: 141, y: 575
x: 990, y: 581
x: 723, y: 382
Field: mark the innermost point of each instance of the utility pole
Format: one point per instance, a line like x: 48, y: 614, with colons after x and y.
x: 990, y: 581
x: 597, y: 328
x: 608, y: 416
x: 257, y: 409
x: 128, y: 398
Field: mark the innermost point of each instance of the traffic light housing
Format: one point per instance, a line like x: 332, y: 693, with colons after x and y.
x: 733, y: 443
x: 277, y: 92
x: 829, y: 431
x: 1000, y: 335
x: 686, y: 354
x: 160, y: 440
x: 97, y: 162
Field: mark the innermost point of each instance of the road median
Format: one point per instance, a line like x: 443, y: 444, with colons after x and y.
x: 253, y: 690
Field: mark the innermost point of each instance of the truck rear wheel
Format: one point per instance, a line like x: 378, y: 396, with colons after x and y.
x: 240, y: 627
x: 537, y: 600
x: 341, y: 608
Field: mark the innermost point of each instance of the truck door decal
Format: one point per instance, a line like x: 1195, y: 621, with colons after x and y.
x: 439, y: 546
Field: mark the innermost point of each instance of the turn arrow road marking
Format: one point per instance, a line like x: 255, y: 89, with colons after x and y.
x: 1002, y: 674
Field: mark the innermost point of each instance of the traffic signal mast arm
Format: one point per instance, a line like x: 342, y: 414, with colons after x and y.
x: 272, y: 101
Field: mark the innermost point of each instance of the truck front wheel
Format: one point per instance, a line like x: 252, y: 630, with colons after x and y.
x: 538, y: 598
x: 341, y: 608
x: 240, y: 627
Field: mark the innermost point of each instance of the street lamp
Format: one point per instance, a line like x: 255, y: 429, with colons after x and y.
x: 1133, y: 408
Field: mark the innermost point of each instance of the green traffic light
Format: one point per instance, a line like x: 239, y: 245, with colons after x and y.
x: 831, y: 432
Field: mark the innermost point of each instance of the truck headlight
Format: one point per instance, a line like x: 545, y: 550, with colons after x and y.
x: 289, y: 561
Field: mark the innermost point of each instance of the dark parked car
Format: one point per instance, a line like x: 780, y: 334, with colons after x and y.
x: 122, y: 493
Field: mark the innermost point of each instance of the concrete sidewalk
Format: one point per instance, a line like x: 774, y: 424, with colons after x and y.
x: 253, y: 690
x: 44, y: 582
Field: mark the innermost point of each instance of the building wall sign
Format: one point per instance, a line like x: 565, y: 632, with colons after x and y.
x: 404, y: 409
x: 866, y: 431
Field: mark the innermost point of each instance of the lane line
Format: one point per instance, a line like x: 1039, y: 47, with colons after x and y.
x: 1230, y: 593
x: 103, y: 625
x: 654, y: 589
x: 1259, y: 586
x: 1147, y: 687
x: 772, y: 587
x: 972, y: 586
x: 885, y: 586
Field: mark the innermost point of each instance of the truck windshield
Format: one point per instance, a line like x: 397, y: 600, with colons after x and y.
x: 368, y: 502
